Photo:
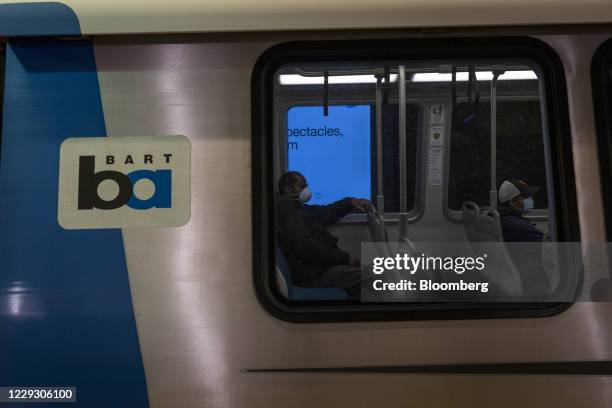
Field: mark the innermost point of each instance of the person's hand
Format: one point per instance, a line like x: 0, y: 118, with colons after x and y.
x: 361, y: 204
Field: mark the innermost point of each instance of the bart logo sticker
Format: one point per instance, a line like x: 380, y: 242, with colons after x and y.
x: 124, y: 182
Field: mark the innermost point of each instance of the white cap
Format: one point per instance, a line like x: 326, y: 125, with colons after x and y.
x: 514, y: 188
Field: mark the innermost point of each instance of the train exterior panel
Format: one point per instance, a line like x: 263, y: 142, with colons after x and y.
x: 168, y: 316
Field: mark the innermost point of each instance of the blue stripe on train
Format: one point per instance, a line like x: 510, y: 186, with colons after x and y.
x: 66, y: 315
x: 38, y: 19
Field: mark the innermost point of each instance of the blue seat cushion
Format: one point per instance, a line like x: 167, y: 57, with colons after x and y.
x: 298, y: 293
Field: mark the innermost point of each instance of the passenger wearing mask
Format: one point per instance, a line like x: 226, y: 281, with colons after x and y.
x: 516, y: 199
x: 310, y: 249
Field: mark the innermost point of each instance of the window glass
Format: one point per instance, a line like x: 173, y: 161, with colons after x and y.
x: 377, y: 157
x: 391, y: 156
x: 344, y: 161
x: 332, y: 151
x: 520, y: 147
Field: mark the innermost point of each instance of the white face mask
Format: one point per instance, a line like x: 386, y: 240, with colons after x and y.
x: 305, y: 195
x: 528, y: 203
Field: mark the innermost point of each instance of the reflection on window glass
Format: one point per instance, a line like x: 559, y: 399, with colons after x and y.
x: 520, y: 150
x: 391, y: 156
x: 601, y: 75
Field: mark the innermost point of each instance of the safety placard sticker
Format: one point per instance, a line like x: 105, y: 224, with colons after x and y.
x: 124, y: 182
x: 435, y: 166
x: 437, y: 114
x: 436, y: 136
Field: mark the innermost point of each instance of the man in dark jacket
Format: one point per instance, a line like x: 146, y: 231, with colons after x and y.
x: 310, y: 249
x: 523, y: 238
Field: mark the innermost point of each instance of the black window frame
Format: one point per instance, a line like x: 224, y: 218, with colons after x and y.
x: 2, y: 80
x: 602, y: 107
x: 262, y: 117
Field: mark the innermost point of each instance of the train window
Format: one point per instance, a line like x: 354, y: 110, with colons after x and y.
x: 601, y: 74
x: 377, y: 147
x: 520, y: 145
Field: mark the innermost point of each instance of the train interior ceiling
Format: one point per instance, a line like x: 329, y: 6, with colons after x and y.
x: 336, y: 121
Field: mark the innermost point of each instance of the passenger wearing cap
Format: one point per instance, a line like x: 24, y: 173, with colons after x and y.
x: 516, y: 199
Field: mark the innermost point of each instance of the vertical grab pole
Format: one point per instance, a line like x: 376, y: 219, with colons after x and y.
x: 325, y: 93
x: 403, y: 190
x: 493, y: 192
x: 402, y: 140
x: 380, y: 198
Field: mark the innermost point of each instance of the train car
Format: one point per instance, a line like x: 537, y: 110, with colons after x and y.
x: 145, y: 148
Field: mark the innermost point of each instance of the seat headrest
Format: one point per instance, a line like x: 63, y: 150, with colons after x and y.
x: 490, y: 224
x: 376, y: 225
x: 470, y: 206
x: 470, y: 212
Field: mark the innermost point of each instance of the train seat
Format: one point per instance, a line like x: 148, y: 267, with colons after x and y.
x: 484, y: 227
x: 403, y: 236
x: 376, y: 225
x: 506, y: 276
x: 378, y: 232
x: 380, y: 236
x: 550, y: 263
x: 490, y: 226
x: 285, y: 285
x: 471, y: 213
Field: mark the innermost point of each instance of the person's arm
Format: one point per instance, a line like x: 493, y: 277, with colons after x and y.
x: 331, y: 213
x: 520, y: 229
x: 307, y: 248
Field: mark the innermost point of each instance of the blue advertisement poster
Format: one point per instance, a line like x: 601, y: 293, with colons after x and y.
x: 333, y: 151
